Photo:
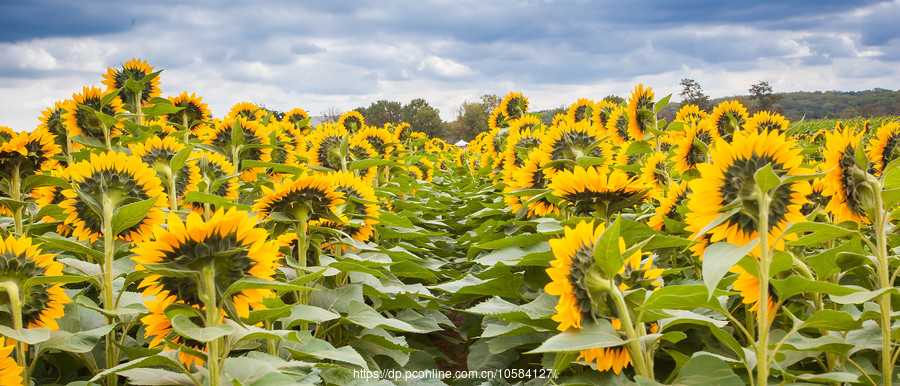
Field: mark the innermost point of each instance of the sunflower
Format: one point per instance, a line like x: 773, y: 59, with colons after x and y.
x: 498, y: 119
x: 844, y: 178
x: 674, y: 195
x: 248, y: 111
x: 299, y: 120
x: 253, y: 132
x: 352, y: 121
x: 728, y: 117
x: 158, y: 327
x: 693, y: 148
x: 601, y: 113
x: 192, y: 116
x: 158, y: 153
x: 52, y: 123
x: 595, y: 190
x: 380, y: 139
x: 26, y: 153
x: 42, y: 304
x: 764, y: 120
x: 639, y: 124
x: 571, y: 274
x: 654, y: 174
x: 216, y: 177
x: 360, y: 149
x: 360, y: 203
x: 6, y: 133
x: 81, y: 121
x: 689, y: 113
x: 883, y: 148
x: 730, y: 178
x: 308, y: 196
x: 229, y: 241
x: 137, y: 70
x: 617, y: 125
x: 495, y: 143
x: 521, y: 142
x: 514, y: 105
x: 570, y: 140
x: 115, y: 179
x: 532, y: 175
x: 581, y: 110
x: 10, y: 371
x: 748, y: 286
x: 51, y: 195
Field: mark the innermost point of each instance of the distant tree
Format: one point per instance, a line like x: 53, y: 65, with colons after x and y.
x: 614, y: 99
x: 381, y: 112
x: 423, y: 118
x: 762, y: 94
x: 332, y: 114
x: 692, y: 94
x: 490, y: 102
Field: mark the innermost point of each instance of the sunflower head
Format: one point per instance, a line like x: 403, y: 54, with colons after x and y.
x: 246, y: 110
x: 581, y: 110
x: 729, y: 178
x: 748, y: 287
x: 766, y: 121
x: 640, y: 123
x: 41, y: 304
x: 359, y: 204
x: 617, y: 125
x: 498, y: 119
x: 138, y: 71
x: 26, y: 153
x: 534, y: 175
x: 728, y: 117
x: 215, y: 176
x: 692, y: 148
x: 654, y: 174
x: 597, y: 191
x: 883, y: 148
x: 601, y: 113
x: 668, y: 206
x: 114, y: 180
x: 52, y: 123
x: 192, y: 116
x: 689, y: 113
x: 352, y: 121
x: 571, y: 140
x: 228, y: 243
x: 306, y: 197
x: 514, y: 105
x: 847, y: 183
x: 79, y: 120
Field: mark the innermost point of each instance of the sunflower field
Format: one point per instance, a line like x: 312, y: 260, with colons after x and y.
x: 145, y: 242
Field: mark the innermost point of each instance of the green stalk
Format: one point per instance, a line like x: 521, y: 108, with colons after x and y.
x: 884, y: 300
x: 187, y: 132
x: 762, y: 345
x: 173, y: 195
x: 635, y: 346
x: 109, y: 254
x: 302, y: 246
x: 15, y: 191
x: 15, y: 302
x: 208, y: 292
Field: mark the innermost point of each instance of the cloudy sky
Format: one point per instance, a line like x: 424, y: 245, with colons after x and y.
x: 319, y: 55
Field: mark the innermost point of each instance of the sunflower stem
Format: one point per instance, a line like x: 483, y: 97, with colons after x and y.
x: 884, y: 282
x: 109, y: 254
x: 15, y: 302
x: 208, y: 288
x: 762, y: 345
x: 636, y: 350
x: 15, y: 191
x: 302, y: 246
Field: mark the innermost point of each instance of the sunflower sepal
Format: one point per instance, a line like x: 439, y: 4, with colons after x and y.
x: 133, y: 213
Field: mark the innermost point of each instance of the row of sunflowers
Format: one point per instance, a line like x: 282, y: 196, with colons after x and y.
x: 146, y: 242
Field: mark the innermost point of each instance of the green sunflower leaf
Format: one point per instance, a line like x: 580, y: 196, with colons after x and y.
x: 662, y: 103
x: 185, y: 327
x: 160, y: 109
x: 30, y: 336
x: 177, y: 161
x: 252, y: 282
x: 108, y: 97
x: 237, y: 134
x: 165, y: 359
x: 606, y: 251
x: 132, y: 214
x: 709, y: 370
x: 55, y: 242
x: 766, y: 178
x: 719, y: 258
x: 592, y: 335
x: 38, y: 180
